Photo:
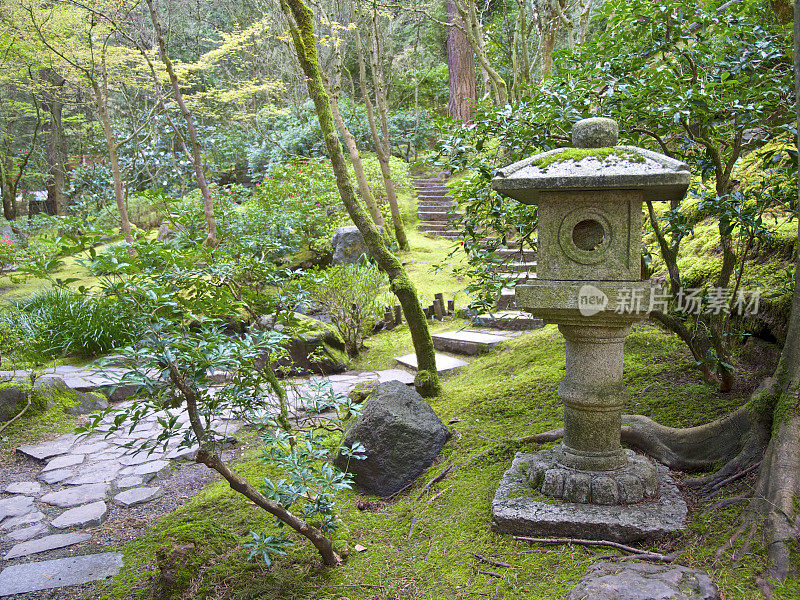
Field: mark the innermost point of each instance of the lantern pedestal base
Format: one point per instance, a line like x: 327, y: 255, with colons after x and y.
x: 520, y: 509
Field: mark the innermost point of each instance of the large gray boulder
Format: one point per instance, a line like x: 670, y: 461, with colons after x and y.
x: 402, y: 436
x: 13, y: 397
x: 642, y: 581
x: 348, y: 246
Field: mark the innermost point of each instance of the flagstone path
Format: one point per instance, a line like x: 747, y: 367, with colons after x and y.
x: 76, y: 481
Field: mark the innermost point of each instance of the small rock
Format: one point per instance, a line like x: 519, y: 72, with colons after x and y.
x: 62, y: 462
x: 348, y: 246
x: 28, y: 488
x: 642, y: 581
x: 136, y: 496
x: 139, y: 458
x: 90, y: 447
x: 26, y: 533
x: 49, y: 542
x: 87, y: 515
x: 88, y: 402
x: 15, y: 506
x: 184, y: 453
x: 69, y: 497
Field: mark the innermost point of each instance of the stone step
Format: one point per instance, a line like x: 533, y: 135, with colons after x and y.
x: 436, y: 204
x: 466, y: 342
x: 434, y: 198
x: 514, y: 320
x: 507, y: 299
x: 444, y: 363
x: 526, y: 255
x: 519, y: 276
x: 438, y: 226
x: 431, y: 215
x: 514, y: 267
x: 451, y: 234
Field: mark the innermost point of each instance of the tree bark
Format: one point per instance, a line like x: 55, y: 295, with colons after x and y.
x: 55, y: 140
x: 196, y: 150
x: 301, y: 27
x: 460, y: 68
x: 381, y: 144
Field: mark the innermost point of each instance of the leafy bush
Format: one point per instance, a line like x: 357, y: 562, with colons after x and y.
x: 353, y: 295
x: 58, y: 322
x: 146, y: 210
x: 302, y: 200
x: 91, y: 189
x: 8, y: 253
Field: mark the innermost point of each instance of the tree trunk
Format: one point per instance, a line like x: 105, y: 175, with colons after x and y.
x: 55, y: 141
x: 301, y: 26
x: 380, y: 147
x: 196, y: 150
x: 113, y: 159
x: 460, y: 69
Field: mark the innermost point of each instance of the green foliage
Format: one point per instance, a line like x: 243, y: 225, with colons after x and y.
x: 58, y: 322
x: 8, y: 253
x: 303, y: 203
x: 354, y: 297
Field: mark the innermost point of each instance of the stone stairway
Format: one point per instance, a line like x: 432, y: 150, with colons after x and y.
x: 435, y: 209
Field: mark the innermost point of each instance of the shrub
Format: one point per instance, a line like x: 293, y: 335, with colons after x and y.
x: 354, y: 297
x: 8, y: 253
x: 58, y: 322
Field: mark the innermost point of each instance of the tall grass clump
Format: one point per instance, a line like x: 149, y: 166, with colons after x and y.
x: 58, y: 322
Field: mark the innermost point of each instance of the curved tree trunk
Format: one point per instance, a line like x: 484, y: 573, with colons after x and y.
x: 301, y: 26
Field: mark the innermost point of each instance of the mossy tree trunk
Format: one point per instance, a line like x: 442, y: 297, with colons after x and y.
x: 301, y: 26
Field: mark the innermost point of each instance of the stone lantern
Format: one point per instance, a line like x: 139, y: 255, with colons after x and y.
x: 590, y: 201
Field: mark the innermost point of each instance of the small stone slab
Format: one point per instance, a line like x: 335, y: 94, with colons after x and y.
x: 517, y: 511
x: 51, y: 477
x: 60, y: 445
x: 64, y: 461
x: 90, y: 447
x: 136, y: 496
x: 129, y: 481
x: 92, y: 473
x: 26, y: 533
x: 15, y: 506
x: 145, y: 469
x: 51, y: 574
x: 642, y: 581
x: 27, y: 519
x: 75, y: 496
x: 49, y: 542
x: 395, y: 375
x: 28, y: 488
x: 88, y: 515
x: 444, y: 363
x: 465, y: 342
x: 140, y: 458
x: 184, y: 453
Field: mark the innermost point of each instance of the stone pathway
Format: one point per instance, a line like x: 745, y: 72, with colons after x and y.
x: 79, y: 478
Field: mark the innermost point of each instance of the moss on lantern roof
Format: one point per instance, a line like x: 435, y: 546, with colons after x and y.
x: 578, y: 154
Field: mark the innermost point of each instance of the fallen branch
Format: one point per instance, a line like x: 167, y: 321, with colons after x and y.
x: 436, y: 479
x: 490, y: 561
x: 435, y: 496
x: 477, y: 570
x: 725, y: 502
x: 411, y: 529
x: 642, y: 554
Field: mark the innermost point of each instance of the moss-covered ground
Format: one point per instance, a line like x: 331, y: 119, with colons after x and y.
x: 426, y: 545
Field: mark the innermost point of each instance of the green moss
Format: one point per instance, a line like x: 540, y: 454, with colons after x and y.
x: 606, y: 155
